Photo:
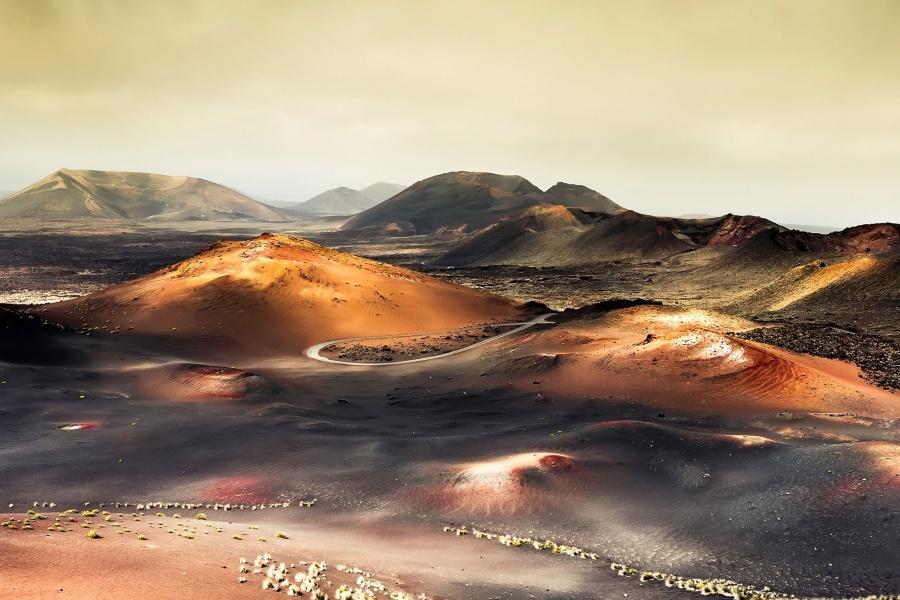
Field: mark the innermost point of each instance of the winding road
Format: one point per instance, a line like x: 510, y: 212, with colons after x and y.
x: 314, y: 352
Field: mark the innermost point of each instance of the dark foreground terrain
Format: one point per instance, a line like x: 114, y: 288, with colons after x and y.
x: 616, y: 453
x: 802, y: 503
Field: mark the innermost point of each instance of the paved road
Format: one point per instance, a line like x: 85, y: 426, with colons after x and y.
x: 314, y: 352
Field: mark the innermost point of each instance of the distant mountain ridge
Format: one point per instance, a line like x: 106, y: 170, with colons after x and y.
x: 342, y: 200
x: 382, y: 190
x: 465, y: 201
x: 84, y: 194
x: 337, y: 201
x: 559, y: 236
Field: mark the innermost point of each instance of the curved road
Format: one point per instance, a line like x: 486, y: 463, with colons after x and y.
x: 314, y: 352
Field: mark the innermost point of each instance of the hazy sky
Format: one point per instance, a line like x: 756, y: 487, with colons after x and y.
x: 790, y: 109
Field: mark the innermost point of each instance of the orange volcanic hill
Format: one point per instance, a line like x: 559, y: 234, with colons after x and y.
x: 528, y: 481
x: 684, y: 360
x: 278, y: 294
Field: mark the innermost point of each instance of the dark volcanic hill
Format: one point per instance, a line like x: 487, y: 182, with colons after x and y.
x: 559, y: 236
x: 627, y: 236
x: 77, y: 194
x: 579, y: 196
x: 541, y: 236
x: 775, y: 244
x: 465, y: 201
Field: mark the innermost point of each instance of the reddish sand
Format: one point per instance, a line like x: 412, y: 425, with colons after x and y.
x: 197, y: 383
x: 239, y: 489
x: 505, y: 485
x: 39, y: 564
x: 277, y: 294
x: 684, y: 359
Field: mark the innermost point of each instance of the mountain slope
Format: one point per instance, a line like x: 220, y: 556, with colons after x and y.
x: 459, y: 201
x: 804, y: 281
x: 278, y: 294
x: 734, y: 230
x: 749, y: 244
x: 343, y: 201
x: 776, y: 249
x: 337, y: 201
x: 78, y: 194
x: 540, y: 236
x: 861, y: 290
x: 628, y: 235
x: 382, y: 190
x: 558, y: 236
x: 465, y: 201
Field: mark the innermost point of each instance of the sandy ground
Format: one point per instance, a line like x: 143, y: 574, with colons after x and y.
x: 189, y: 558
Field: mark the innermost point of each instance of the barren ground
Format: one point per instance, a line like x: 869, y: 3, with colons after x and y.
x: 649, y: 436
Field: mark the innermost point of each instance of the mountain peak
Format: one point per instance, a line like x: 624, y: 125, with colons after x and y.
x: 580, y: 196
x: 514, y: 184
x: 86, y: 194
x: 382, y: 190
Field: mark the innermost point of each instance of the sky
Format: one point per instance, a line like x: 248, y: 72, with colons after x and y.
x: 787, y: 109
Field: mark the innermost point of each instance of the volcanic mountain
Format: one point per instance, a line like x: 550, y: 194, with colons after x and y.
x: 337, y: 201
x: 629, y: 235
x: 772, y: 242
x: 277, y: 294
x: 76, y: 194
x: 579, y: 196
x: 466, y: 201
x: 382, y: 190
x: 347, y: 201
x: 551, y: 235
